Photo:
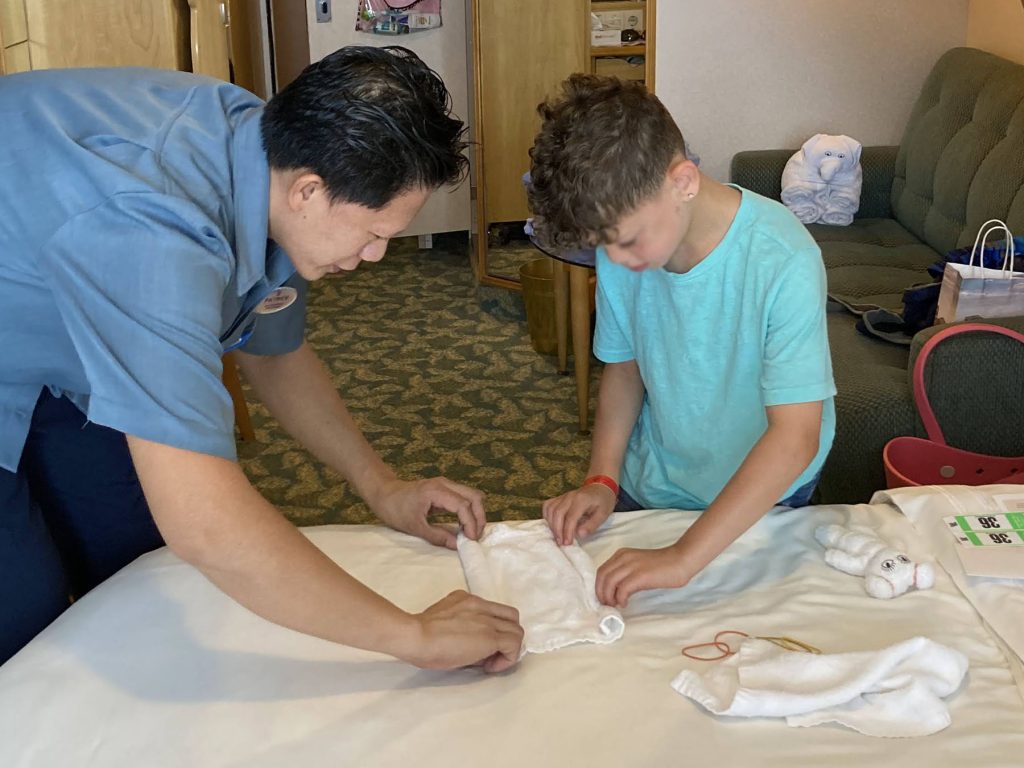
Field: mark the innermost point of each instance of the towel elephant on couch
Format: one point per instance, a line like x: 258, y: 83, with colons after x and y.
x: 821, y: 183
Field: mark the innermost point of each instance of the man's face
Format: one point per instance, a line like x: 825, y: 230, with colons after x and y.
x: 323, y: 237
x: 652, y: 233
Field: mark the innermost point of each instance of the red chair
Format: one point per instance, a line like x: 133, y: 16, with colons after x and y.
x: 912, y: 461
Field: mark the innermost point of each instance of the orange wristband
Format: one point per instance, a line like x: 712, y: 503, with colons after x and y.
x: 605, y: 481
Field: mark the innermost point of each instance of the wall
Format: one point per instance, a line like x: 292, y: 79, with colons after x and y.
x: 444, y: 50
x: 997, y: 26
x: 737, y: 79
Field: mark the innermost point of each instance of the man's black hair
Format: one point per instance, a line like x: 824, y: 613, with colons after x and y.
x: 372, y: 122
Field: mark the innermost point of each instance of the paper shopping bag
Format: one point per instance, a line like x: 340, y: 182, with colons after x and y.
x: 971, y: 290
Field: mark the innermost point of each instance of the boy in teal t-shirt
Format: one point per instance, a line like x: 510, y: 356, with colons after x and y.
x: 717, y: 389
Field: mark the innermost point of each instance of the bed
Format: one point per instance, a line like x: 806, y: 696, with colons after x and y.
x: 157, y: 668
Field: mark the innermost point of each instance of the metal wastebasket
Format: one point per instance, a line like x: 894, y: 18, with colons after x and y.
x: 537, y: 278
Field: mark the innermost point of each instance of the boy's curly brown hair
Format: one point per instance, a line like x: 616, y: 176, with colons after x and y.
x: 604, y: 148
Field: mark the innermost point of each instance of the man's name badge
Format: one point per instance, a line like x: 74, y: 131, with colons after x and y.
x: 276, y: 300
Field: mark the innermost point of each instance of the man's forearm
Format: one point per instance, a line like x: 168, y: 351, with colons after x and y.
x: 775, y: 461
x: 221, y: 525
x: 618, y: 406
x: 299, y: 393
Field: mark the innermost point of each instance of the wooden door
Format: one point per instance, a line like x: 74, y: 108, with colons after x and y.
x: 524, y: 49
x: 113, y: 33
x: 169, y: 34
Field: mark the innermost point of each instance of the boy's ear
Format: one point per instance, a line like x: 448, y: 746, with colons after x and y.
x: 684, y: 178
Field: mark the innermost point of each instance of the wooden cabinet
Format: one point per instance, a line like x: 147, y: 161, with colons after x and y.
x: 629, y: 61
x: 172, y: 34
x: 522, y: 50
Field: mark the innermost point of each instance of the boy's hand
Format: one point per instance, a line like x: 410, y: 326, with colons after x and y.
x: 407, y: 505
x: 463, y: 630
x: 579, y: 512
x: 632, y: 570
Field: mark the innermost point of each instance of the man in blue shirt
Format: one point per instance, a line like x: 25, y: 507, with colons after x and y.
x: 149, y: 222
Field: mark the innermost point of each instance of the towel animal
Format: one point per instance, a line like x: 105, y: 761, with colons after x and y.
x: 822, y: 181
x: 887, y: 572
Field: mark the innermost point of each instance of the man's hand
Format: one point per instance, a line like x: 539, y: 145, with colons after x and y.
x: 632, y: 570
x: 579, y: 512
x: 406, y: 506
x: 462, y: 630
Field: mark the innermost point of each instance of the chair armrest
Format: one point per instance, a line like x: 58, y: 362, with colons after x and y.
x: 761, y: 171
x: 878, y: 165
x: 1015, y: 323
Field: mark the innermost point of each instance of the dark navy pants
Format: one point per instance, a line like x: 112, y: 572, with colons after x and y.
x: 71, y: 516
x: 801, y: 497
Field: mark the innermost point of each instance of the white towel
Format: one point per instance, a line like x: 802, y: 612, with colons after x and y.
x: 896, y: 691
x: 553, y: 587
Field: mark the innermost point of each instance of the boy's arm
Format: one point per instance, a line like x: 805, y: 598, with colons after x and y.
x: 618, y: 405
x: 785, y: 449
x: 581, y: 511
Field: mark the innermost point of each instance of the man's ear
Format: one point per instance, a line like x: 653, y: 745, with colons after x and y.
x: 304, y: 190
x: 684, y: 177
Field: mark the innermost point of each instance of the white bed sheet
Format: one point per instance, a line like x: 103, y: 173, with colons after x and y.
x: 999, y: 601
x: 157, y: 668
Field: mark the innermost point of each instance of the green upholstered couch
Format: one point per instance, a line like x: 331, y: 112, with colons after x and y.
x: 960, y: 162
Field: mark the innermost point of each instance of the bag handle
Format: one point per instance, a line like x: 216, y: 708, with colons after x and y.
x: 983, y: 232
x: 924, y: 408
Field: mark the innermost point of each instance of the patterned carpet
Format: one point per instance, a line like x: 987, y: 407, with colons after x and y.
x: 440, y: 375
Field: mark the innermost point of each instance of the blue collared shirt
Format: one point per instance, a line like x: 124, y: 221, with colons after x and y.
x: 133, y: 251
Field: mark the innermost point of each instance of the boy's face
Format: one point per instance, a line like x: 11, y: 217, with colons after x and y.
x: 651, y: 234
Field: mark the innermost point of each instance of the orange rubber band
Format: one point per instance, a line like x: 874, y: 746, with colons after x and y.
x: 725, y: 651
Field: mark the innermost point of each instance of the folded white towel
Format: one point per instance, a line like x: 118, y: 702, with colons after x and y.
x: 822, y: 181
x: 553, y: 587
x: 894, y: 692
x: 837, y: 218
x: 808, y: 212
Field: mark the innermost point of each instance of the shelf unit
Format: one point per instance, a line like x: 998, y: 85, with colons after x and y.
x: 596, y: 54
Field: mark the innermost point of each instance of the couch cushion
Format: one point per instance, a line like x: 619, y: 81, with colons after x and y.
x: 872, y: 261
x: 887, y: 232
x: 961, y: 160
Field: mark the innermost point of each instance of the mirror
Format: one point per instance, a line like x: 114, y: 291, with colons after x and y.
x: 508, y: 249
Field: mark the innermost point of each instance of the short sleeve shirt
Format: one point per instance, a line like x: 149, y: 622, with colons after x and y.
x: 133, y: 251
x: 743, y: 330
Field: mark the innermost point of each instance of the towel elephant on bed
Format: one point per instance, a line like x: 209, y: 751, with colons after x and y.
x: 887, y: 572
x: 822, y: 181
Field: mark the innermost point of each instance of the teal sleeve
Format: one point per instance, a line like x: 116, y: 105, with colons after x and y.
x: 797, y: 365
